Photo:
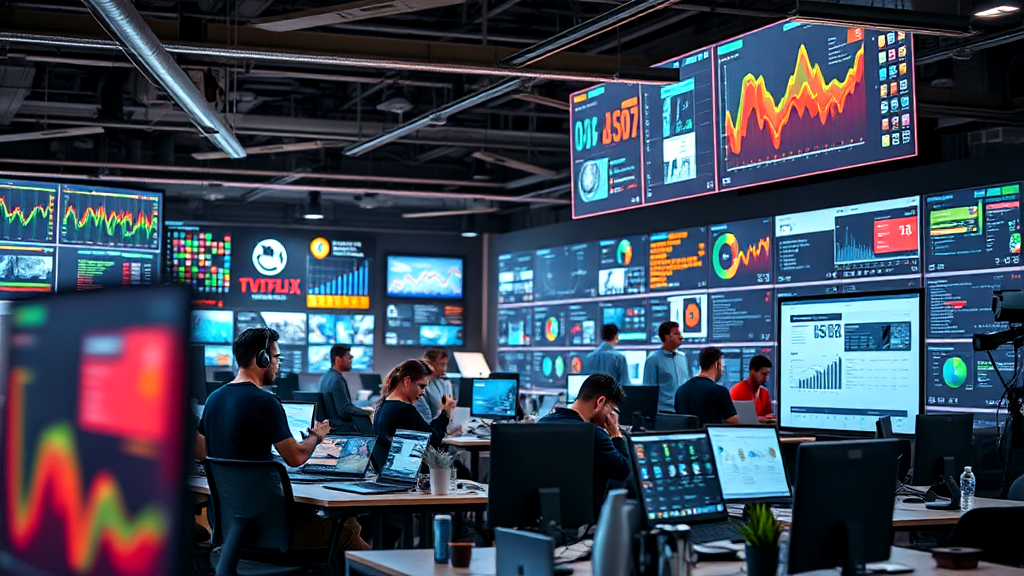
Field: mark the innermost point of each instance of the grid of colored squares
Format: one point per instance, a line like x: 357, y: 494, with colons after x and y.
x: 201, y: 260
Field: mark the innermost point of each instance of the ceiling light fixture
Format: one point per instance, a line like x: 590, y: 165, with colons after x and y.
x: 314, y: 211
x: 998, y: 11
x: 268, y: 149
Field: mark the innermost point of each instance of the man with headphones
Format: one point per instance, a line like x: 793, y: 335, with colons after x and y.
x: 241, y: 421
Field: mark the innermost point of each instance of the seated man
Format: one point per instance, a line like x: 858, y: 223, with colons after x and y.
x: 754, y: 388
x: 701, y: 395
x: 241, y: 421
x: 596, y: 403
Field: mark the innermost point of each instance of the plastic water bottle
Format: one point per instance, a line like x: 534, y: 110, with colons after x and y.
x: 966, y: 489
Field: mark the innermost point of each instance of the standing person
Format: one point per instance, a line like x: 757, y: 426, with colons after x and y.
x: 241, y: 421
x: 702, y: 397
x: 438, y: 387
x: 666, y: 368
x: 754, y: 388
x: 396, y: 406
x: 605, y: 360
x: 338, y: 406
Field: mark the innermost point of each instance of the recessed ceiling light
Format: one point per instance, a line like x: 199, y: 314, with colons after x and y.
x: 314, y: 211
x: 997, y: 11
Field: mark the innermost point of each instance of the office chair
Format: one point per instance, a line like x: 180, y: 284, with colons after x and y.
x: 666, y: 421
x: 211, y: 387
x: 1016, y: 490
x: 363, y: 423
x: 998, y: 532
x: 252, y: 516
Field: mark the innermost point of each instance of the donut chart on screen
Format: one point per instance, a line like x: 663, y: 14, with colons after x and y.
x: 726, y: 240
x: 954, y: 372
x: 552, y: 328
x: 625, y: 253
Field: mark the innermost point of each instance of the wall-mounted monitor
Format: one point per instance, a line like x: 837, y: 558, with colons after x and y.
x: 431, y: 277
x: 425, y: 324
x: 212, y: 327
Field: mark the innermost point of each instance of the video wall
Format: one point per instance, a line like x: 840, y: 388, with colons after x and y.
x: 781, y: 102
x: 722, y: 282
x: 76, y: 237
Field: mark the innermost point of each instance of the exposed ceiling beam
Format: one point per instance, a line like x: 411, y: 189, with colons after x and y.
x: 268, y: 149
x: 543, y: 101
x: 466, y: 212
x: 348, y: 12
x: 500, y: 160
x: 48, y: 134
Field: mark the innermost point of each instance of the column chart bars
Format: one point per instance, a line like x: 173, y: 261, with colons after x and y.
x: 339, y: 283
x: 828, y: 378
x: 108, y: 217
x: 27, y: 211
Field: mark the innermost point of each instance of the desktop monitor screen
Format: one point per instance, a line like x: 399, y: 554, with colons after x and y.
x: 845, y: 361
x: 94, y: 445
x: 941, y: 436
x: 676, y: 477
x: 495, y: 398
x: 345, y: 454
x: 405, y: 455
x: 575, y: 383
x: 472, y: 364
x: 749, y: 462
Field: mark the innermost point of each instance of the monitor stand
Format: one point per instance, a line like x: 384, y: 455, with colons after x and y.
x: 949, y: 482
x: 638, y: 421
x: 852, y: 566
x: 551, y: 514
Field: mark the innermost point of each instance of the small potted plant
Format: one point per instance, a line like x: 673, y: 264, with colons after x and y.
x: 761, y: 533
x: 440, y: 464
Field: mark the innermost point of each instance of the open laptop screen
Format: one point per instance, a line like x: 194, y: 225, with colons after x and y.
x: 343, y: 454
x: 677, y: 477
x: 406, y: 455
x: 300, y: 417
x: 749, y: 462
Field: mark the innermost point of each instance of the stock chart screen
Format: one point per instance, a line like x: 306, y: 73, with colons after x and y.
x: 678, y: 260
x: 623, y: 266
x: 431, y: 277
x: 959, y: 377
x: 973, y: 228
x: 565, y: 272
x: 515, y: 278
x: 960, y: 306
x: 606, y: 149
x: 741, y: 253
x: 679, y: 132
x: 95, y: 216
x: 797, y: 99
x: 743, y: 316
x: 878, y: 239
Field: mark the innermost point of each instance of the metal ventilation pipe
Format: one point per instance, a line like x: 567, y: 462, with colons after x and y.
x: 124, y: 23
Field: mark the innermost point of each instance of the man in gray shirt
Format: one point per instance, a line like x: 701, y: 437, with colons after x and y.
x: 605, y: 360
x: 338, y: 405
x: 666, y: 368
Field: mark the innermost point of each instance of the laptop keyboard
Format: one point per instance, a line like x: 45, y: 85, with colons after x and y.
x: 375, y: 487
x: 704, y: 533
x: 311, y: 478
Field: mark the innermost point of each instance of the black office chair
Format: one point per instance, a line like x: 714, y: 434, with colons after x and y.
x: 1016, y: 490
x: 363, y: 423
x: 252, y: 516
x: 667, y: 421
x: 286, y: 384
x: 211, y: 387
x: 998, y: 532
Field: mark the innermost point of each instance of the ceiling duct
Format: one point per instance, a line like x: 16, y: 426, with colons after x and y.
x: 350, y: 12
x: 124, y: 23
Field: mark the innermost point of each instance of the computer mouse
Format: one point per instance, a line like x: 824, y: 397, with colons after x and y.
x: 913, y: 500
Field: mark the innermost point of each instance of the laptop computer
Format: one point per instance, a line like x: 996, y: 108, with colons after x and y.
x: 518, y: 553
x: 749, y: 463
x: 678, y: 483
x: 339, y: 456
x: 746, y: 412
x: 547, y: 405
x: 300, y: 419
x: 401, y: 468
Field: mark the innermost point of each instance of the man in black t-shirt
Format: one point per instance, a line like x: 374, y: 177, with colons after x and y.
x: 702, y: 397
x: 241, y: 421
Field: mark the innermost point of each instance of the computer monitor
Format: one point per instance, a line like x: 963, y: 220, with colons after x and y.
x: 575, y: 382
x: 526, y: 459
x: 938, y: 437
x: 749, y: 462
x: 405, y: 455
x: 847, y: 360
x: 842, y: 505
x: 98, y: 389
x: 371, y: 382
x: 465, y: 395
x: 286, y: 384
x: 642, y: 399
x: 495, y: 398
x: 472, y: 364
x: 676, y: 478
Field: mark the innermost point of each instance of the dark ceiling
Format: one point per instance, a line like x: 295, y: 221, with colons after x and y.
x: 317, y: 91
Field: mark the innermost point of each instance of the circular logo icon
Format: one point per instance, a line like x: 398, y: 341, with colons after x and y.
x: 320, y: 248
x: 269, y: 257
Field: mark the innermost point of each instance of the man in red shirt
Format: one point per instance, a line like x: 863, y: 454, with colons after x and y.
x: 753, y: 388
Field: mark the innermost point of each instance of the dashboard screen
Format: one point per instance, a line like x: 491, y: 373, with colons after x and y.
x: 741, y: 253
x: 424, y: 277
x: 423, y: 325
x: 959, y: 306
x: 973, y: 228
x: 690, y: 311
x: 515, y: 327
x: 515, y: 278
x: 959, y: 377
x: 630, y: 316
x: 549, y: 324
x: 623, y: 266
x: 565, y: 272
x: 679, y: 259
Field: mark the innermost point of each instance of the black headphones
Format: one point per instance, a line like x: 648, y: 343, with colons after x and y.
x: 263, y: 358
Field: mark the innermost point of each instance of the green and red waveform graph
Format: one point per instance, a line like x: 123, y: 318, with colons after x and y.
x: 26, y: 213
x: 110, y: 219
x: 97, y: 529
x: 728, y: 257
x: 812, y: 114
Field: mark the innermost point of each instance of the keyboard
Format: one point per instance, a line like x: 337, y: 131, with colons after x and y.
x: 312, y: 478
x: 704, y: 533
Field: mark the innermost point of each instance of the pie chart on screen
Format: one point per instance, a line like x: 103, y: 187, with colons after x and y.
x: 552, y: 329
x: 954, y: 372
x: 576, y: 365
x: 624, y: 254
x: 559, y: 367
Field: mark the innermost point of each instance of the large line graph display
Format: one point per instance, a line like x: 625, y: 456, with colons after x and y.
x: 797, y: 99
x: 27, y: 211
x: 107, y: 217
x: 424, y: 277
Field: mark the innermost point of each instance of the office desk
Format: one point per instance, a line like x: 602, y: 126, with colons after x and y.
x: 796, y: 439
x: 474, y: 445
x: 906, y: 516
x: 421, y: 563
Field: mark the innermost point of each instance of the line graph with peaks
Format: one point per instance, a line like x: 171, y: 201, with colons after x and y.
x: 91, y: 512
x: 428, y: 280
x: 27, y: 212
x: 99, y: 218
x: 424, y: 277
x: 741, y: 253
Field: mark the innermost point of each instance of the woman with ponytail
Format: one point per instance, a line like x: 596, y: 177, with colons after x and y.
x: 396, y: 409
